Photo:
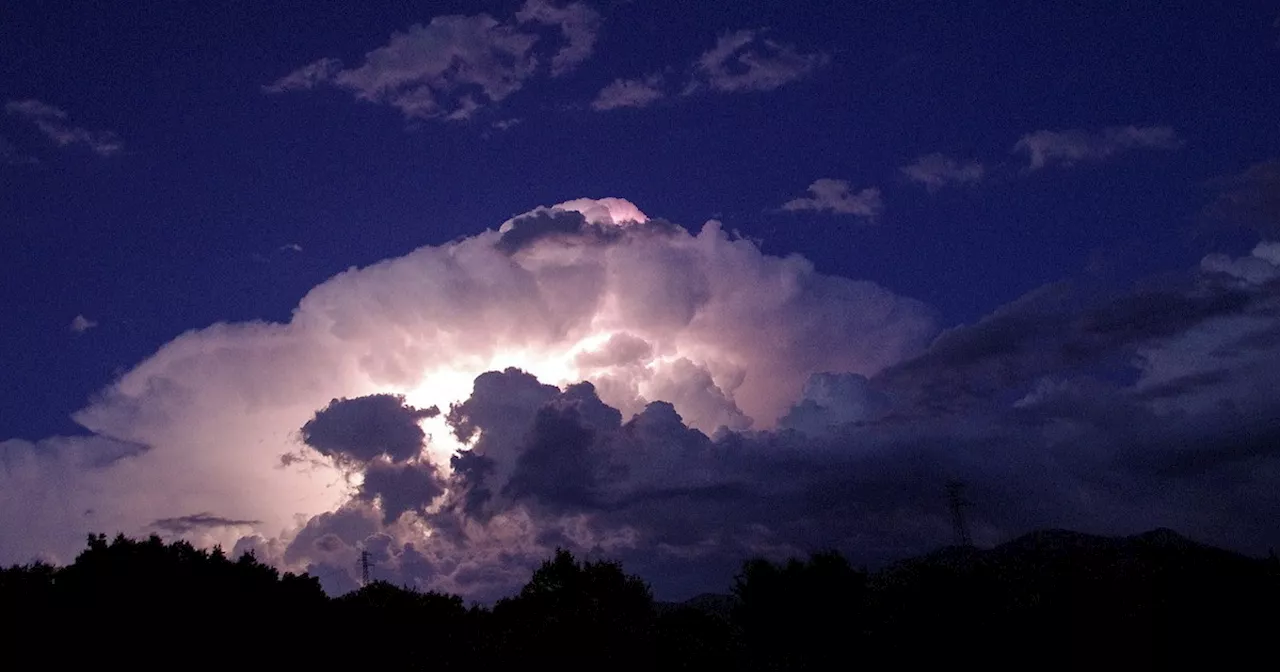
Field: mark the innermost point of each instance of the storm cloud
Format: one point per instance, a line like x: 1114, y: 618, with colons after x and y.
x: 1084, y: 410
x: 365, y: 428
x: 617, y: 384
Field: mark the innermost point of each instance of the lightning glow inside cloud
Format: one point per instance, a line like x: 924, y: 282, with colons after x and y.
x: 588, y: 290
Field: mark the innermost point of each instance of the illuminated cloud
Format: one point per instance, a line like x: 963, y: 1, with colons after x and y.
x: 629, y: 93
x: 55, y: 490
x: 590, y: 289
x: 837, y: 197
x: 744, y: 61
x: 1073, y: 146
x: 53, y: 123
x: 936, y: 171
x: 455, y: 65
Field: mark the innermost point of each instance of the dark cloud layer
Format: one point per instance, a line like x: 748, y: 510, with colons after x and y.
x: 199, y: 521
x: 400, y: 488
x: 1056, y: 329
x: 1250, y: 198
x: 366, y: 428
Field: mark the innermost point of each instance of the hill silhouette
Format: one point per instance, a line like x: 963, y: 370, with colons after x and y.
x: 1155, y: 600
x: 1052, y: 599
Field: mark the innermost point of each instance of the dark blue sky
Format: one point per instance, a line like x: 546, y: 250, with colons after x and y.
x: 183, y: 226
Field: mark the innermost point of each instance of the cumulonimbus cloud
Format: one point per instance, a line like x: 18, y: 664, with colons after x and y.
x: 679, y: 400
x: 587, y: 290
x: 1012, y: 406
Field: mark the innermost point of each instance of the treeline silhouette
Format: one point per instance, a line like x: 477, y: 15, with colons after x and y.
x: 1049, y: 600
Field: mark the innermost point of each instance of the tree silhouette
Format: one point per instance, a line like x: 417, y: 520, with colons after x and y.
x: 1049, y: 600
x: 588, y: 615
x: 693, y: 638
x: 407, y: 624
x: 800, y: 615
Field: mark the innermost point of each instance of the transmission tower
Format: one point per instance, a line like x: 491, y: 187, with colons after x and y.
x: 955, y: 498
x: 365, y: 563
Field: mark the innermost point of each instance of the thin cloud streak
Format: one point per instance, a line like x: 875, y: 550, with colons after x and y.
x: 935, y: 171
x: 199, y: 521
x: 1074, y: 146
x: 52, y: 122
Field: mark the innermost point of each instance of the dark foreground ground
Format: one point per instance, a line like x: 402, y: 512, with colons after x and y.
x: 1051, y: 600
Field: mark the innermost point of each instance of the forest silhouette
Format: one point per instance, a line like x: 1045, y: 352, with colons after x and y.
x: 1048, y: 600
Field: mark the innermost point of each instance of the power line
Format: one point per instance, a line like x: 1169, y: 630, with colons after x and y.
x: 365, y: 563
x: 955, y: 498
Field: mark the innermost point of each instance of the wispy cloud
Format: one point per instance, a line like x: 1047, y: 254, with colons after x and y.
x: 307, y: 77
x: 836, y: 197
x: 81, y: 324
x: 52, y: 121
x: 740, y: 61
x: 629, y: 93
x: 936, y: 171
x: 744, y: 61
x: 456, y: 65
x: 1072, y: 146
x: 1250, y: 198
x: 577, y: 22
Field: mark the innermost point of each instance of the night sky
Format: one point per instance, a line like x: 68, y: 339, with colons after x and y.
x: 741, y: 278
